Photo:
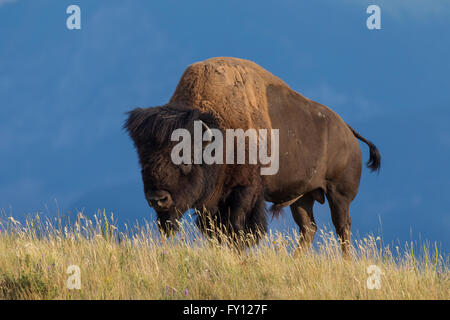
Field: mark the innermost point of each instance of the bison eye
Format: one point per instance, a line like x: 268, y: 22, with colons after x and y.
x: 185, y: 168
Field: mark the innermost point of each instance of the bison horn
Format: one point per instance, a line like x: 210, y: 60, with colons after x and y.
x: 207, y: 129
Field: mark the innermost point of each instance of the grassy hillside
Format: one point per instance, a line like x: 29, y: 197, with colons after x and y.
x: 135, y: 263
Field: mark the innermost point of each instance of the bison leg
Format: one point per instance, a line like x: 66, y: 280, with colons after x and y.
x: 239, y: 203
x: 340, y: 215
x: 256, y: 221
x: 246, y: 214
x: 302, y: 212
x: 209, y: 223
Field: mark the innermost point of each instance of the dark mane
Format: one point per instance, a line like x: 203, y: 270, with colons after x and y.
x: 155, y: 125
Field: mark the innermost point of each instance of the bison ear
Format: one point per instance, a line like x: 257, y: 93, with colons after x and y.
x: 137, y: 123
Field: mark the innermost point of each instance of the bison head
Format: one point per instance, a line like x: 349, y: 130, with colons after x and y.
x: 169, y: 188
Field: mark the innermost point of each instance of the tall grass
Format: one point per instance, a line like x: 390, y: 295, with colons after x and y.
x: 137, y: 263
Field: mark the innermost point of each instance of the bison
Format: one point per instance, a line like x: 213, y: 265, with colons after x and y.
x: 319, y: 154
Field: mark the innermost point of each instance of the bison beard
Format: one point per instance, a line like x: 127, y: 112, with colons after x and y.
x: 319, y: 153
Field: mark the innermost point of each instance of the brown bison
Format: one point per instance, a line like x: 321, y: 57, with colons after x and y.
x: 319, y: 154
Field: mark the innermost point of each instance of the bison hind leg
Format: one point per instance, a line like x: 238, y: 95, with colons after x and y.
x: 302, y: 212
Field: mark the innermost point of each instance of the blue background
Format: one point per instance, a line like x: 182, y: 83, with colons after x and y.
x: 63, y: 95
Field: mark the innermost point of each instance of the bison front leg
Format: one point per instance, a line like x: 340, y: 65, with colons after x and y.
x: 246, y: 214
x: 208, y: 221
x: 239, y: 203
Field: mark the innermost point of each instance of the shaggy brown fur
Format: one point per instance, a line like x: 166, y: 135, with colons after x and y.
x: 319, y: 153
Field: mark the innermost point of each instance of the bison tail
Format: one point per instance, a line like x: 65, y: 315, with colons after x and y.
x: 374, y: 162
x: 276, y: 210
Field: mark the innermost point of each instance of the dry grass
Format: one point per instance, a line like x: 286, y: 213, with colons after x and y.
x: 137, y: 264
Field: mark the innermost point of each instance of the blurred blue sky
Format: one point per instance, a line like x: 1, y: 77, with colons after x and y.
x: 63, y: 95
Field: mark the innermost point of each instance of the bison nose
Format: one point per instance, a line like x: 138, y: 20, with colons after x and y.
x: 160, y: 199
